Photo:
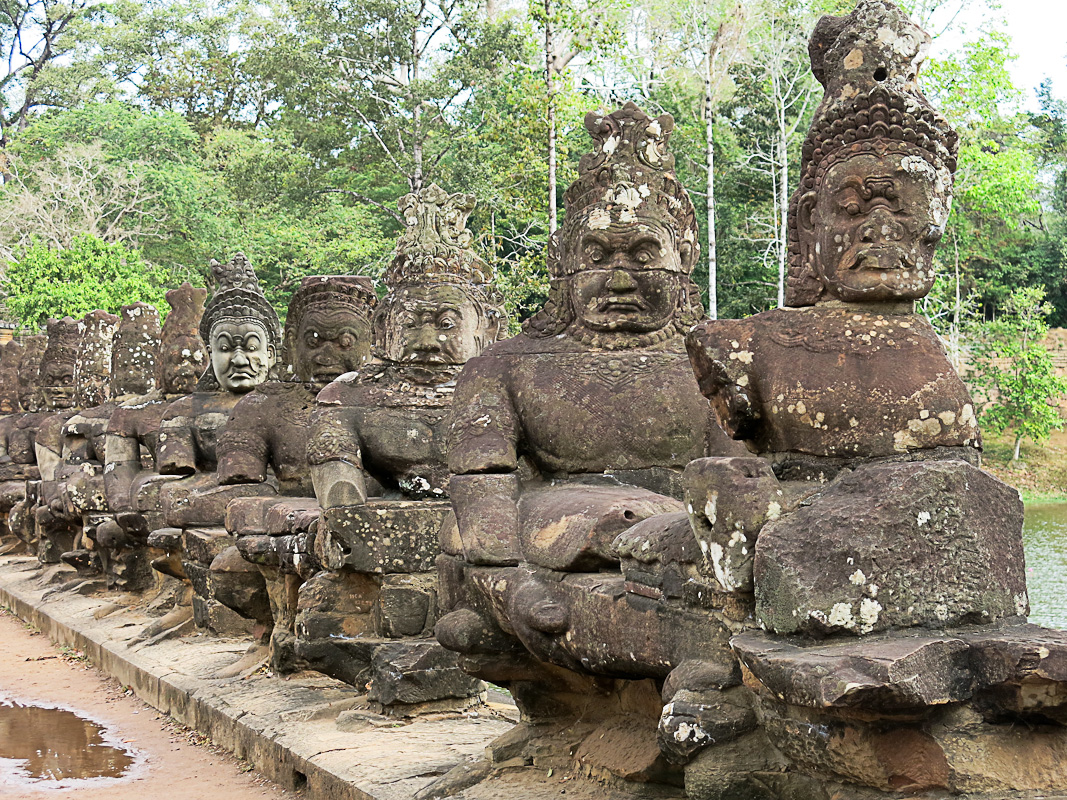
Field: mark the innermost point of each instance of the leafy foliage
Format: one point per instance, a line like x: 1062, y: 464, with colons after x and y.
x: 72, y: 281
x: 1016, y: 372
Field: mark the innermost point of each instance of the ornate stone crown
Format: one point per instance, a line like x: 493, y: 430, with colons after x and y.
x: 629, y: 173
x: 436, y: 245
x: 868, y: 63
x: 239, y: 297
x: 135, y: 350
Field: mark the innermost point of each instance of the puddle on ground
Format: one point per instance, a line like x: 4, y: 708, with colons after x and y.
x: 41, y: 744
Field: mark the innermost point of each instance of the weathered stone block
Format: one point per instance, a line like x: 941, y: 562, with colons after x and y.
x: 895, y: 545
x: 418, y: 672
x: 383, y: 536
x: 203, y: 544
x: 879, y: 673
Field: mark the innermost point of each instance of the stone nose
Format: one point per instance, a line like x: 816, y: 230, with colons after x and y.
x: 621, y: 281
x: 880, y: 226
x: 426, y: 340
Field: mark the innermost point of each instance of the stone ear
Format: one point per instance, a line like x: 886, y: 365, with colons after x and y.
x: 686, y: 252
x: 805, y: 211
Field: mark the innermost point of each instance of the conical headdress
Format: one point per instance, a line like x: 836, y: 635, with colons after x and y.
x: 868, y: 63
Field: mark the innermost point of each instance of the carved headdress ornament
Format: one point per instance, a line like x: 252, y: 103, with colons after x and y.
x: 436, y: 245
x: 630, y: 173
x: 868, y: 63
x: 239, y: 298
x: 135, y: 350
x: 92, y: 367
x: 180, y: 338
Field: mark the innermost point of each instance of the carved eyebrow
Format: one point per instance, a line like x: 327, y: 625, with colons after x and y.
x: 645, y: 240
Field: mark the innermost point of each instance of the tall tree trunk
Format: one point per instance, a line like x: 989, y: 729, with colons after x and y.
x: 416, y: 117
x: 1018, y: 443
x: 783, y: 209
x: 550, y: 86
x: 709, y: 157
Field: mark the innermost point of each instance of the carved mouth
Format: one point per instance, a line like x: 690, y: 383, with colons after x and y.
x: 882, y: 258
x: 622, y: 304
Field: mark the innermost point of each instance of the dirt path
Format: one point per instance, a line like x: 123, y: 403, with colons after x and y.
x: 174, y: 762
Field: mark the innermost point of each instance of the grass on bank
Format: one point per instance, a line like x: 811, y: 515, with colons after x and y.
x: 1040, y: 474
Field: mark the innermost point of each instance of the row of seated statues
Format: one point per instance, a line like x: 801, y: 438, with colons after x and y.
x: 711, y: 559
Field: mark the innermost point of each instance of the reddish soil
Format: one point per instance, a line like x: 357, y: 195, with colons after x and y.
x: 174, y: 762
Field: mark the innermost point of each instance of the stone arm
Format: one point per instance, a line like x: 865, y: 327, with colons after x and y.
x: 721, y: 355
x: 335, y: 455
x: 244, y: 447
x: 122, y: 457
x: 483, y: 457
x: 177, y: 444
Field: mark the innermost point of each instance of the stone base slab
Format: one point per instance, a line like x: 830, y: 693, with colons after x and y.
x: 286, y: 727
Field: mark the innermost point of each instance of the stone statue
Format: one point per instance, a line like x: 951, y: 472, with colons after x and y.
x: 131, y: 483
x: 58, y: 525
x: 328, y: 334
x: 865, y: 513
x: 572, y: 434
x: 81, y: 474
x: 17, y: 461
x: 242, y: 336
x: 383, y: 430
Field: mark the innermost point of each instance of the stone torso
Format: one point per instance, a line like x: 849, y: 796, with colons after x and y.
x: 400, y: 422
x: 269, y: 427
x: 572, y: 410
x: 838, y: 382
x: 190, y: 430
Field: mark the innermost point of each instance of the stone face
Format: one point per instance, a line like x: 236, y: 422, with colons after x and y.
x: 895, y: 545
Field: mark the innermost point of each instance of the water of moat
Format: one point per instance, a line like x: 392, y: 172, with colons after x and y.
x: 43, y: 744
x: 1045, y: 539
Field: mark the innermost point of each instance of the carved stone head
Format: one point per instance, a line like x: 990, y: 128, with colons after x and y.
x: 10, y: 361
x: 182, y: 357
x: 30, y: 371
x: 620, y: 264
x: 135, y: 350
x: 56, y: 376
x: 440, y: 308
x: 877, y: 166
x: 328, y: 327
x: 240, y: 329
x: 92, y: 367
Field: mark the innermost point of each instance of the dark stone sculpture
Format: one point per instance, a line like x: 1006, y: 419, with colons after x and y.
x: 367, y: 617
x: 242, y: 336
x: 58, y: 526
x: 866, y: 516
x: 567, y: 437
x: 328, y: 334
x: 80, y: 477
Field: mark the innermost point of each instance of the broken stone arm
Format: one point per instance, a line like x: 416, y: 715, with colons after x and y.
x: 723, y: 375
x: 335, y: 459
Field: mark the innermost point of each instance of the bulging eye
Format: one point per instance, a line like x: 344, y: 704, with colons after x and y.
x: 853, y: 208
x: 643, y: 256
x: 346, y: 340
x: 447, y: 323
x: 596, y: 254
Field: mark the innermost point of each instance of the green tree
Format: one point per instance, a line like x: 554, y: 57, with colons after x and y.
x: 71, y: 281
x: 1015, y: 370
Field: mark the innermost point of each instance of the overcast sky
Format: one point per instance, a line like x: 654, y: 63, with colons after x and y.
x: 1038, y: 29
